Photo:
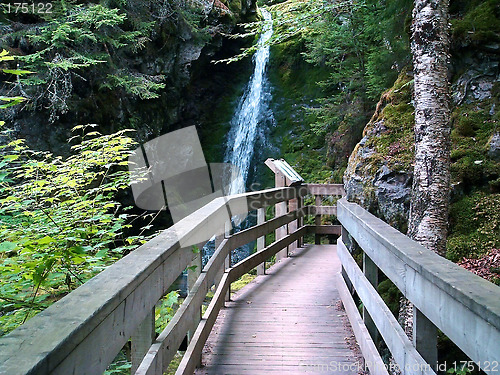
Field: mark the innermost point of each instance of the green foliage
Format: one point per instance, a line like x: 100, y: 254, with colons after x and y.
x: 391, y: 295
x: 59, y: 221
x: 10, y: 101
x: 120, y: 366
x: 138, y: 85
x: 165, y: 310
x: 475, y: 222
x: 480, y: 24
x: 81, y: 42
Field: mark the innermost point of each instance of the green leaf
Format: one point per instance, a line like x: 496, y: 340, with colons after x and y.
x: 7, y: 246
x: 17, y: 72
x: 46, y: 240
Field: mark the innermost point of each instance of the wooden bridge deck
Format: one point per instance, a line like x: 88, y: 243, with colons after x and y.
x: 289, y: 321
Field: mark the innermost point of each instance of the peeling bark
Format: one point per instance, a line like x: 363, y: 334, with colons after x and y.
x: 430, y: 196
x: 428, y: 219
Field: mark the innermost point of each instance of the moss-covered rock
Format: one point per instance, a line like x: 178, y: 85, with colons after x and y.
x: 378, y: 175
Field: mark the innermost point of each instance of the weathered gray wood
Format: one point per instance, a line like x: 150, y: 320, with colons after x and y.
x: 292, y: 226
x: 363, y: 337
x: 317, y: 218
x: 324, y: 229
x: 281, y: 209
x: 190, y: 359
x: 324, y: 210
x: 251, y: 234
x: 167, y: 343
x: 345, y: 238
x: 326, y: 189
x: 255, y: 259
x: 285, y: 322
x: 425, y: 338
x: 300, y: 220
x: 370, y: 271
x: 405, y: 354
x: 194, y: 271
x: 227, y: 260
x: 71, y: 334
x: 261, y: 241
x: 452, y: 298
x: 142, y: 340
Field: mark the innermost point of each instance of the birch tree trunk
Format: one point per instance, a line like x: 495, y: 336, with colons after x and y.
x: 428, y: 221
x: 431, y: 179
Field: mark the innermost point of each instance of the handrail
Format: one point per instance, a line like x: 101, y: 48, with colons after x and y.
x: 83, y: 332
x: 165, y: 346
x: 462, y: 305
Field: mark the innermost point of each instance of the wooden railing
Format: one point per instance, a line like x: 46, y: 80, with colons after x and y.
x: 84, y: 331
x: 465, y: 307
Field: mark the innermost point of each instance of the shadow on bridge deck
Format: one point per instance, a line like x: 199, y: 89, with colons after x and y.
x: 289, y: 321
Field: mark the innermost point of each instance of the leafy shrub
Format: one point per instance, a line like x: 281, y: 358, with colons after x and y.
x: 475, y: 221
x: 59, y: 221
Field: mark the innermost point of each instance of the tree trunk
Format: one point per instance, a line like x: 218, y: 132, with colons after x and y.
x: 428, y: 221
x: 431, y: 179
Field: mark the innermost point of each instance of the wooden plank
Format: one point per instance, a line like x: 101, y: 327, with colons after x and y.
x: 368, y: 348
x: 86, y: 324
x: 405, y: 354
x: 255, y: 259
x: 326, y: 189
x: 324, y: 229
x: 189, y: 360
x: 281, y: 209
x: 452, y: 298
x: 251, y: 234
x: 317, y: 219
x: 261, y: 241
x: 292, y: 226
x: 142, y: 340
x: 291, y: 329
x: 324, y: 210
x: 165, y: 346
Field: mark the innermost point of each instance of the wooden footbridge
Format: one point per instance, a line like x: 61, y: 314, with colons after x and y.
x: 289, y: 320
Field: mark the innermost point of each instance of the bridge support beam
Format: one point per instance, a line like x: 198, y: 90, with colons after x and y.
x: 293, y: 204
x: 371, y: 273
x: 317, y: 219
x: 300, y: 221
x: 142, y: 340
x: 425, y: 338
x: 347, y: 242
x: 281, y: 209
x: 261, y: 241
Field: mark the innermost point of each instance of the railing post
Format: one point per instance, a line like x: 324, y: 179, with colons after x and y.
x: 292, y: 227
x: 300, y: 221
x: 261, y: 241
x: 142, y: 339
x: 317, y: 219
x: 425, y: 337
x: 347, y: 242
x: 281, y: 209
x: 371, y: 273
x: 194, y: 271
x: 227, y: 261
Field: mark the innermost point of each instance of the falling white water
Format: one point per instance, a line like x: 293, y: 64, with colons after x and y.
x: 243, y: 133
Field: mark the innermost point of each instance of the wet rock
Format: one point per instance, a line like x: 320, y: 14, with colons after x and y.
x: 494, y: 147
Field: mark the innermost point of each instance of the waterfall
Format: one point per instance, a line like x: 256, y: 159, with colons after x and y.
x: 245, y: 121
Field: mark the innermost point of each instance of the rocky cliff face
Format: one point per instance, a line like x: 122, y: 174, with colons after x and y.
x: 379, y: 171
x: 181, y: 40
